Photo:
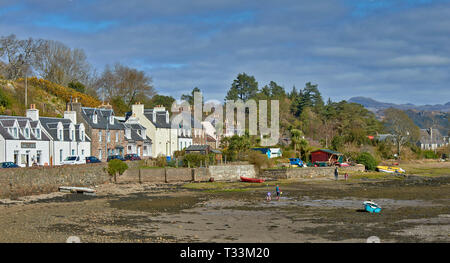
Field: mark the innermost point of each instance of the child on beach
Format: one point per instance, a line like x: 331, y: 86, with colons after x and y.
x: 346, y: 176
x: 268, y: 197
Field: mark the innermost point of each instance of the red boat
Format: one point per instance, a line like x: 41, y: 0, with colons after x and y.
x: 252, y: 180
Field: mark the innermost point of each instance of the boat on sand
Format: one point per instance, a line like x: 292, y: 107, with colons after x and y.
x: 252, y: 180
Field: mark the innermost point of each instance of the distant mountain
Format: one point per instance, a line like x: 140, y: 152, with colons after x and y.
x: 424, y: 116
x: 374, y: 105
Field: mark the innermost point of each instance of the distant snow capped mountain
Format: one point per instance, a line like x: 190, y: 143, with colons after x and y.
x: 375, y: 105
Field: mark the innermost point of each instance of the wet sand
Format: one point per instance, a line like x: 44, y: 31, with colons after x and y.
x: 414, y: 209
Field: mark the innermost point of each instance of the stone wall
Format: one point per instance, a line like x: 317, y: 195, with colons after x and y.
x: 307, y: 172
x: 16, y: 182
x: 231, y: 172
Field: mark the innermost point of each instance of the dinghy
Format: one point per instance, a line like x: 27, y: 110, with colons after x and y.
x: 371, y: 207
x: 252, y: 180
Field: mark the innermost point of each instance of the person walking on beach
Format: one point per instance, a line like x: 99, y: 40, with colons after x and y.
x: 336, y: 173
x: 277, y: 189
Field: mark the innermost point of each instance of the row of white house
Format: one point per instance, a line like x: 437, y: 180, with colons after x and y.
x: 84, y: 131
x: 40, y: 140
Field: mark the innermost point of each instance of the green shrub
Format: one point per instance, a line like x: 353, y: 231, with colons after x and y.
x: 430, y: 155
x: 116, y: 167
x: 259, y: 160
x: 368, y: 160
x: 161, y: 161
x: 195, y: 159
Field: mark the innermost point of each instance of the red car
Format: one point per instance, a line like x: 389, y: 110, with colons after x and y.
x: 132, y: 157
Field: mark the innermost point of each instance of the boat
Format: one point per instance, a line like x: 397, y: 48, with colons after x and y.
x: 390, y: 169
x: 252, y: 180
x: 371, y: 207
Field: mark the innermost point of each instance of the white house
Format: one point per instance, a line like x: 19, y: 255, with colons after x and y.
x: 23, y: 141
x: 136, y: 137
x: 67, y: 138
x: 157, y: 127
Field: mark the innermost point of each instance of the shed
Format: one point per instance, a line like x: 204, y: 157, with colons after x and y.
x: 325, y: 155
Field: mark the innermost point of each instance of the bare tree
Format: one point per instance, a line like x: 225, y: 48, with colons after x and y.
x: 61, y: 64
x: 20, y: 54
x: 125, y: 82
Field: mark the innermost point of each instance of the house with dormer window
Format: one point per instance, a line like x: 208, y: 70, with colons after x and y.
x: 23, y: 140
x: 100, y: 125
x: 157, y: 127
x: 68, y: 138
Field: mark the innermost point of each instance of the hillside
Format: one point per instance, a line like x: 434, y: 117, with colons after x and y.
x: 375, y: 105
x: 49, y: 98
x: 423, y: 116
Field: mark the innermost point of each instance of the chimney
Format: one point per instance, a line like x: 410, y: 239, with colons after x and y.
x: 71, y: 115
x: 137, y: 109
x: 33, y: 113
x: 76, y: 107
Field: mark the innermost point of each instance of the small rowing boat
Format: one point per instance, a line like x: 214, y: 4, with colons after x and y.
x: 252, y: 180
x: 371, y: 207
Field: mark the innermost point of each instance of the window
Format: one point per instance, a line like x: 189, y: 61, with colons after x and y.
x: 94, y: 118
x: 82, y: 152
x: 82, y: 135
x: 100, y: 136
x: 60, y: 134
x: 15, y: 132
x: 27, y: 133
x: 38, y: 133
x: 117, y: 136
x: 73, y: 152
x: 99, y: 154
x: 60, y: 155
x: 111, y: 120
x: 73, y: 135
x: 108, y: 136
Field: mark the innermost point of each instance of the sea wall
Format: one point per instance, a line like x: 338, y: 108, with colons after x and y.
x: 307, y: 172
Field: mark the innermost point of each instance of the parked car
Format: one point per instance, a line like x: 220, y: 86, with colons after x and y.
x: 132, y: 157
x: 112, y: 157
x: 8, y: 165
x: 74, y: 160
x: 92, y: 159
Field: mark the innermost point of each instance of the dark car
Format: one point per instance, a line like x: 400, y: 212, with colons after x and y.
x: 8, y: 165
x: 132, y: 157
x: 92, y: 159
x: 112, y: 157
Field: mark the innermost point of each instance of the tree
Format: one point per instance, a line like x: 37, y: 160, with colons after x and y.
x: 368, y: 160
x: 115, y: 167
x: 244, y: 87
x: 62, y: 65
x: 157, y: 99
x: 126, y: 82
x: 20, y: 55
x: 78, y: 86
x: 298, y: 140
x: 401, y: 127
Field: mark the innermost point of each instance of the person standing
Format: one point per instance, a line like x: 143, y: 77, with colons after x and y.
x: 346, y: 176
x: 277, y: 189
x: 336, y: 173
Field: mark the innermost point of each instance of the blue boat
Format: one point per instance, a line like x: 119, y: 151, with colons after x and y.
x: 371, y: 207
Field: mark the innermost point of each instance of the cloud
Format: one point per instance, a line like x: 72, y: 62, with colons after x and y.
x: 349, y: 46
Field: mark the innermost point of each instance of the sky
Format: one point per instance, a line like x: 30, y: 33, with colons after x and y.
x: 394, y: 51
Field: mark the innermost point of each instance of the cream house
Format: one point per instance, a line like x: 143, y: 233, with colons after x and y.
x: 157, y: 127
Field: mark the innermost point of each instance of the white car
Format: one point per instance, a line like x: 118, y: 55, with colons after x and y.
x: 74, y: 160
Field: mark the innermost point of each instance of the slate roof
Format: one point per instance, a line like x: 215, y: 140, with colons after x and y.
x: 102, y: 118
x: 51, y: 126
x: 8, y: 121
x: 425, y: 137
x: 135, y: 137
x: 160, y: 121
